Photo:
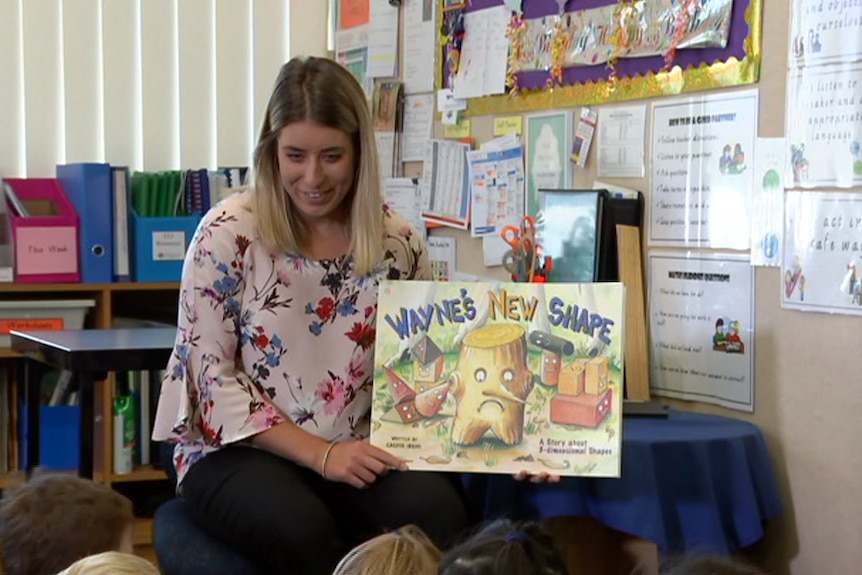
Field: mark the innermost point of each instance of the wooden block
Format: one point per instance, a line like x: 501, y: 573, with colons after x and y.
x: 585, y: 410
x: 572, y: 379
x: 551, y: 363
x: 596, y: 375
x: 637, y: 371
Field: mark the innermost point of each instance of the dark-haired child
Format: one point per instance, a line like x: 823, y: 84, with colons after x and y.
x: 505, y: 548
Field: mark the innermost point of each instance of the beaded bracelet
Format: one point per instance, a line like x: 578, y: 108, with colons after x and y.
x: 326, y: 458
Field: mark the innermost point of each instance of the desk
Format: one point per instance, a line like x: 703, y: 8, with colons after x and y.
x: 690, y: 482
x: 90, y: 354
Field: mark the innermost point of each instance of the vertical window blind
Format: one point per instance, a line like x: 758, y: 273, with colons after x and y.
x: 150, y: 84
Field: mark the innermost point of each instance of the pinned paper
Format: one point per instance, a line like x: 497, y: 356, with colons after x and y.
x: 457, y: 131
x: 584, y: 136
x: 354, y: 13
x: 507, y: 125
x: 447, y: 101
x: 450, y: 117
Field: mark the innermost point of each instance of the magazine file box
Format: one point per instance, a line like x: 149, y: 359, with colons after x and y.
x: 46, y: 241
x: 159, y: 246
x: 59, y: 436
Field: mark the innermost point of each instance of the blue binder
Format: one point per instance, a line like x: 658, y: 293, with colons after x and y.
x: 90, y: 188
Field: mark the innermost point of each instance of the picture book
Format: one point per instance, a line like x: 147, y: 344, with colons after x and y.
x: 500, y: 377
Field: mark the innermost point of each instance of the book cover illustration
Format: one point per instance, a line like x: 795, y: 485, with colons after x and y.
x: 500, y: 377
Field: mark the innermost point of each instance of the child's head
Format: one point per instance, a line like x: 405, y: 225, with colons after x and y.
x: 111, y: 563
x: 405, y: 551
x: 53, y: 520
x: 712, y: 565
x: 504, y: 548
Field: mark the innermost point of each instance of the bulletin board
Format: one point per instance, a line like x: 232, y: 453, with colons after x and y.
x: 581, y: 52
x: 799, y: 344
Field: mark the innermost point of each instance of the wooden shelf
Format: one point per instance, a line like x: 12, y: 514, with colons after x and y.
x: 139, y: 473
x: 68, y: 287
x: 142, y: 533
x: 112, y: 300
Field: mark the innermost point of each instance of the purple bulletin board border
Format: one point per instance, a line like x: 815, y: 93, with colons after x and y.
x: 743, y: 46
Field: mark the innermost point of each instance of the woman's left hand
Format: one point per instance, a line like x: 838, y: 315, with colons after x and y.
x: 542, y: 477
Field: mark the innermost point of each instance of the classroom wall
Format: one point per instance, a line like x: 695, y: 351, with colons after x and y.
x: 308, y: 27
x: 807, y: 369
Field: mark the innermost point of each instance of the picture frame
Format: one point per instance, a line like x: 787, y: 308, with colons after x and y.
x: 571, y: 233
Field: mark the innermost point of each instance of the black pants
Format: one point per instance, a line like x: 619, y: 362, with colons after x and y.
x: 288, y: 519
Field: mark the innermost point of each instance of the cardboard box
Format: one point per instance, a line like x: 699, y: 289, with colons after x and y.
x: 596, y: 375
x: 572, y: 379
x: 59, y: 436
x: 159, y: 246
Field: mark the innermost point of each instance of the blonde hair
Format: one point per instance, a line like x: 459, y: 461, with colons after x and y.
x: 322, y: 91
x: 111, y: 563
x: 405, y: 551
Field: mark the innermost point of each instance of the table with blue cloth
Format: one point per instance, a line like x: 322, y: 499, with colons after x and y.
x: 690, y: 482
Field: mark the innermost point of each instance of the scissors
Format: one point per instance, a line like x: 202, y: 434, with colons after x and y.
x: 520, y: 261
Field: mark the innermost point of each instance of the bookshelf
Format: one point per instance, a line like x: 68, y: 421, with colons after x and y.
x: 151, y: 301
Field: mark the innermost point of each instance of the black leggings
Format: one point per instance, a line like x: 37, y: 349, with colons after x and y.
x: 288, y: 519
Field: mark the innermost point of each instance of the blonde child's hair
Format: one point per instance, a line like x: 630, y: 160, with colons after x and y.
x: 111, y: 563
x: 405, y: 551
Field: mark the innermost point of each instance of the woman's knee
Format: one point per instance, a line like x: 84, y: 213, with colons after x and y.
x: 265, y: 507
x: 430, y: 500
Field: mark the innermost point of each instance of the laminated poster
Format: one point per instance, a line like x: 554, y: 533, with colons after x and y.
x: 500, y: 377
x: 822, y: 267
x: 701, y: 308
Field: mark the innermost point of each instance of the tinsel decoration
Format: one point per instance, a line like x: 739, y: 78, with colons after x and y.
x: 627, y: 20
x: 559, y: 43
x: 515, y: 33
x: 686, y: 13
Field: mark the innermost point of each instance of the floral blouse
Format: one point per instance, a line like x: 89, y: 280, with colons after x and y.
x: 263, y: 338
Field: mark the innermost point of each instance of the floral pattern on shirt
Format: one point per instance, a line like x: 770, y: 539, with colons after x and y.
x: 263, y: 338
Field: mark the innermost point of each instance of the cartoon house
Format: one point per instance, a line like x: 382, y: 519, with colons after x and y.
x: 428, y: 368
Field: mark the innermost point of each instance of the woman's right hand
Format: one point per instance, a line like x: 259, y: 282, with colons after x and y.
x: 359, y: 463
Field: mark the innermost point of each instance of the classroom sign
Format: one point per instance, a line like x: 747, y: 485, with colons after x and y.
x: 822, y: 267
x: 500, y: 377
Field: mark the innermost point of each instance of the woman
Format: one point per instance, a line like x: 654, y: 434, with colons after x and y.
x: 268, y: 391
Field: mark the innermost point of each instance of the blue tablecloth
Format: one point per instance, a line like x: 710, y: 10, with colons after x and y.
x: 690, y: 482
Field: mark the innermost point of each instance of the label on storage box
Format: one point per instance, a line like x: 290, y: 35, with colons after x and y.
x: 46, y: 250
x: 31, y: 324
x: 169, y: 246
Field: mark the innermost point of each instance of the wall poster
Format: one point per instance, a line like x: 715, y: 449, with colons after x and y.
x: 701, y: 310
x: 767, y: 201
x: 823, y: 121
x: 822, y: 267
x: 701, y: 178
x: 548, y: 137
